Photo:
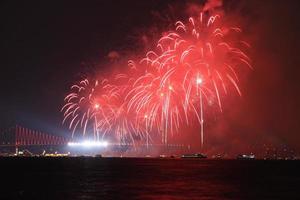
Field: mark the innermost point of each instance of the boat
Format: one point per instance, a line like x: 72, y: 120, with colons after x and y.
x: 173, y: 156
x: 245, y: 157
x: 196, y: 155
x: 218, y: 156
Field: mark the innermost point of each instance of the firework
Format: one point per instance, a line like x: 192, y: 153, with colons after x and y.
x: 193, y: 69
x: 78, y: 108
x: 197, y: 62
x: 120, y: 121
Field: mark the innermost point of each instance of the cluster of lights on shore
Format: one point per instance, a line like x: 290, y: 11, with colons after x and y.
x: 190, y: 71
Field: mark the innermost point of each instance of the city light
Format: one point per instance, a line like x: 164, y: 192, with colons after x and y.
x: 88, y: 143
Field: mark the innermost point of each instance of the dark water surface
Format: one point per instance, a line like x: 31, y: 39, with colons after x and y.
x: 137, y: 178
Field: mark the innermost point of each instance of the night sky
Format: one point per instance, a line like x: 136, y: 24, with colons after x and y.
x: 47, y: 46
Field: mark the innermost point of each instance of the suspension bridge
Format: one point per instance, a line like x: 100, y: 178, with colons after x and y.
x: 19, y: 136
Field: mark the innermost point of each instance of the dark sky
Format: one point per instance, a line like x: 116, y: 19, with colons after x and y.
x: 44, y: 46
x: 45, y: 43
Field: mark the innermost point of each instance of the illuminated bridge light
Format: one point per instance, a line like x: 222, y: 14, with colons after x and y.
x: 89, y: 144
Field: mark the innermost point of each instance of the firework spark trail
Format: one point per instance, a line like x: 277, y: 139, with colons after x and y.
x: 79, y: 110
x: 204, y: 52
x: 201, y: 60
x: 193, y: 68
x: 124, y: 123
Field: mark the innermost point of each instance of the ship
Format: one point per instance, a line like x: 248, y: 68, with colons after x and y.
x: 196, y: 155
x: 245, y: 157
